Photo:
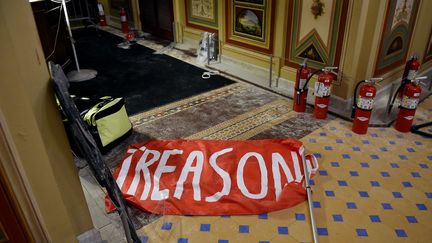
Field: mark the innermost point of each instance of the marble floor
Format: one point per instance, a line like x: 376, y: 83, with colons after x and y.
x: 375, y: 187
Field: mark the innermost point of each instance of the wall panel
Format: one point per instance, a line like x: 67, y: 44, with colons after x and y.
x: 396, y: 34
x: 315, y: 31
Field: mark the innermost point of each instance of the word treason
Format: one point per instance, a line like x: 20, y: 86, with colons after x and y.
x: 210, y: 170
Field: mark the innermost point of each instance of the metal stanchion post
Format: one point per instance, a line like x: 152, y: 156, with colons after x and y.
x: 309, y: 196
x: 270, y: 70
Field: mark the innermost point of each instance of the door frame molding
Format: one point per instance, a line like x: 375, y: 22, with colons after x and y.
x: 18, y: 187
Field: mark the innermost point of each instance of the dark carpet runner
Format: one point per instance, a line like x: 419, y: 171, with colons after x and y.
x: 144, y: 79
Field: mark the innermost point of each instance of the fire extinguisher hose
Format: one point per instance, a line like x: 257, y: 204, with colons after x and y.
x: 298, y: 84
x: 310, y: 77
x: 305, y: 85
x: 394, y: 97
x: 354, y: 106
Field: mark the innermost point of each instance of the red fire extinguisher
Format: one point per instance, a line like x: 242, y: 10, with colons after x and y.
x: 410, y: 99
x: 123, y: 20
x: 300, y: 88
x: 411, y: 68
x: 322, y: 92
x: 363, y: 105
x: 102, y: 18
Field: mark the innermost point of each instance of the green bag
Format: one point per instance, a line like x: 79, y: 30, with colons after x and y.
x: 108, y: 122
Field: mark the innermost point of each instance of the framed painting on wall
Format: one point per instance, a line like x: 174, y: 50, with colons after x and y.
x: 202, y: 14
x: 428, y: 51
x: 396, y: 35
x: 250, y: 24
x: 315, y: 31
x: 257, y: 2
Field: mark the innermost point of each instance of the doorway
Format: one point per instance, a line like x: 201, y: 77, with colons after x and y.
x: 157, y: 18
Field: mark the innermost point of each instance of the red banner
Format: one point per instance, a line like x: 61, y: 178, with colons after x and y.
x: 213, y: 177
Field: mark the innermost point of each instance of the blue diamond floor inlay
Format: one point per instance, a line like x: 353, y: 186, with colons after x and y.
x: 182, y: 240
x: 317, y: 155
x: 374, y: 156
x: 384, y: 149
x: 418, y: 143
x: 346, y: 156
x: 429, y: 157
x: 364, y: 194
x: 223, y: 241
x: 312, y: 140
x: 362, y: 232
x: 322, y: 231
x: 428, y: 194
x: 424, y: 166
x: 375, y: 183
x: 365, y: 142
x: 355, y: 148
x: 421, y: 206
x: 311, y: 182
x: 323, y: 134
x: 415, y: 174
x: 300, y: 216
x: 374, y: 135
x: 411, y: 150
x: 351, y: 205
x: 375, y: 218
x: 407, y: 184
x: 364, y: 165
x: 339, y: 141
x: 342, y: 183
x: 316, y: 204
x: 337, y: 218
x: 403, y: 157
x: 354, y: 173
x: 205, y: 227
x: 397, y: 195
x: 225, y: 216
x: 322, y: 172
x: 166, y: 226
x: 332, y: 128
x: 385, y: 174
x: 282, y: 230
x: 401, y: 233
x: 263, y: 241
x: 387, y: 206
x: 330, y: 193
x: 334, y: 164
x: 144, y: 239
x: 263, y: 216
x: 348, y: 135
x: 244, y: 228
x: 411, y: 219
x: 328, y: 148
x: 394, y: 165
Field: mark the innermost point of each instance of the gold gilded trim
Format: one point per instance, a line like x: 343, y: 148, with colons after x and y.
x: 175, y: 107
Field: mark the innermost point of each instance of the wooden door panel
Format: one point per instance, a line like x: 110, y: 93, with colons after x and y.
x: 12, y: 229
